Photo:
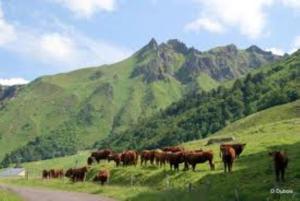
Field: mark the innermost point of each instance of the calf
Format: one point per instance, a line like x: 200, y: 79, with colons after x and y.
x: 280, y: 164
x: 102, y: 176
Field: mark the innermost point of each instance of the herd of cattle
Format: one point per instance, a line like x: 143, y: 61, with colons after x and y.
x: 174, y: 156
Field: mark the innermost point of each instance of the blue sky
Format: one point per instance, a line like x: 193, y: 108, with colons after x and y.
x: 39, y: 37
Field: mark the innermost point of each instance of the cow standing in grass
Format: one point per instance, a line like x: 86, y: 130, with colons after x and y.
x: 101, y: 154
x: 115, y: 157
x: 228, y: 157
x: 147, y: 155
x: 77, y: 174
x: 129, y: 157
x: 280, y: 164
x: 195, y: 157
x: 238, y: 148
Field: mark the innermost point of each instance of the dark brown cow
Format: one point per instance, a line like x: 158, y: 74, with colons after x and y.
x: 193, y: 158
x: 173, y: 149
x: 174, y: 159
x: 160, y: 157
x: 129, y: 157
x: 101, y: 154
x: 46, y: 174
x: 90, y: 160
x: 77, y: 174
x: 238, y: 148
x: 102, y: 176
x: 56, y: 173
x: 280, y: 164
x: 147, y: 155
x: 228, y: 157
x: 115, y: 157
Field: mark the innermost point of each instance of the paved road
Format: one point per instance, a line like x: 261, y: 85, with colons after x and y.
x: 36, y: 194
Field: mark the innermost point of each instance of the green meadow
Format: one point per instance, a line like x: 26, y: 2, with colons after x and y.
x: 277, y: 128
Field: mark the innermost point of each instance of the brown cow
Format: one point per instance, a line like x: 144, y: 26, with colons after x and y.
x: 115, y: 157
x: 101, y: 154
x: 228, y: 157
x: 160, y: 157
x: 46, y: 174
x: 147, y: 155
x: 102, y: 176
x: 174, y: 159
x: 56, y: 173
x: 173, y: 149
x: 193, y: 158
x: 129, y: 157
x: 77, y: 174
x: 280, y: 163
x: 238, y: 148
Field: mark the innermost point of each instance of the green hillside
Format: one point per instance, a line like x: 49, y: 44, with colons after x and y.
x: 199, y: 114
x: 276, y: 128
x: 67, y: 112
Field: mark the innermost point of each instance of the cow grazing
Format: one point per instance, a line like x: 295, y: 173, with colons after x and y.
x: 173, y: 149
x: 228, y: 157
x: 101, y: 154
x: 115, y: 157
x: 102, y: 176
x: 46, y: 174
x: 78, y: 174
x: 238, y: 148
x: 129, y: 157
x: 280, y: 164
x: 193, y: 158
x: 175, y: 159
x: 147, y: 155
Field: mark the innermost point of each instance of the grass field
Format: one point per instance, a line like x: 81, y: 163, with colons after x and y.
x: 277, y: 128
x: 8, y: 196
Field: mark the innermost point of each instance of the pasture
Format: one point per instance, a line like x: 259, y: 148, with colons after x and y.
x: 252, y: 178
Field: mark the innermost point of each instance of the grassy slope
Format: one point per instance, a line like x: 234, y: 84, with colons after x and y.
x: 113, y: 97
x: 275, y: 128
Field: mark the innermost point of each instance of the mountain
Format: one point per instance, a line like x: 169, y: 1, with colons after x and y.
x: 200, y: 114
x: 70, y: 111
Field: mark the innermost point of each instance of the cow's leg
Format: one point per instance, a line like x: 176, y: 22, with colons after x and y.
x: 277, y: 174
x: 194, y: 166
x: 282, y: 174
x: 170, y: 166
x: 225, y: 166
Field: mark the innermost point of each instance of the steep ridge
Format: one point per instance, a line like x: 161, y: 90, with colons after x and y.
x: 198, y: 115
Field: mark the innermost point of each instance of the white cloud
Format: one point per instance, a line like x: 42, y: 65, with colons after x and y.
x: 56, y: 46
x: 7, y: 31
x: 205, y: 24
x: 249, y: 16
x: 13, y: 81
x: 292, y: 3
x: 295, y: 45
x: 276, y: 51
x: 63, y: 49
x: 87, y: 8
